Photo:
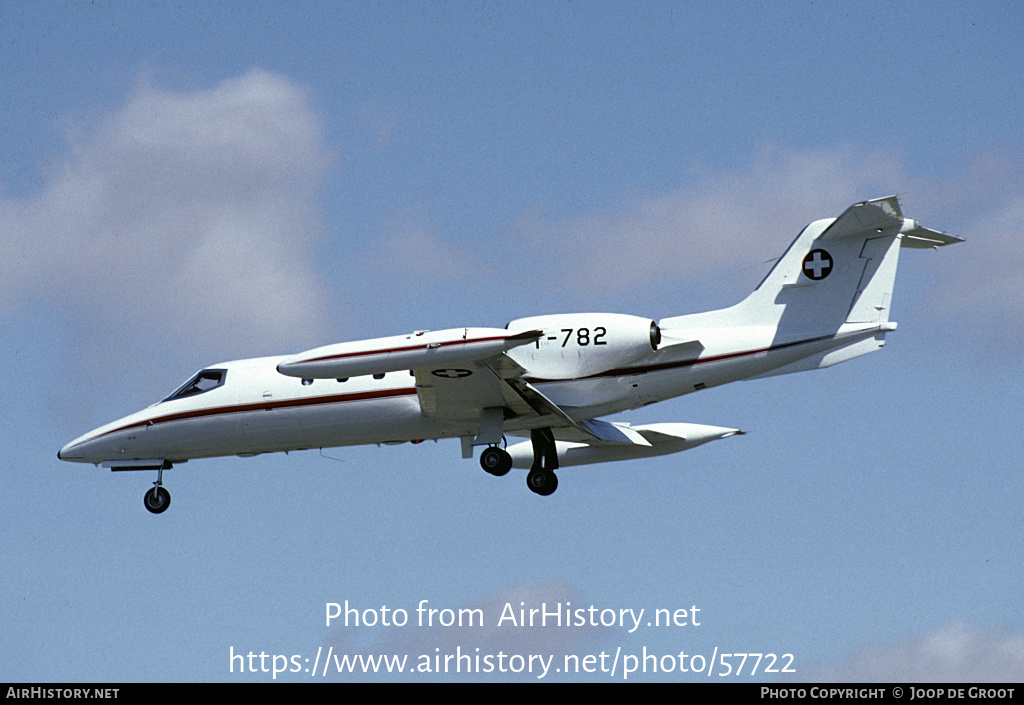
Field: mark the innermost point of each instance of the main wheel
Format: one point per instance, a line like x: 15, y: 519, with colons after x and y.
x: 157, y: 500
x: 496, y: 461
x: 543, y: 482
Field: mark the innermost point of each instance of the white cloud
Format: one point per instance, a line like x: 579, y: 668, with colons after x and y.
x: 983, y: 287
x: 183, y: 216
x: 723, y: 221
x: 194, y: 217
x: 719, y: 221
x: 380, y: 120
x: 955, y: 653
x: 716, y: 221
x: 414, y: 256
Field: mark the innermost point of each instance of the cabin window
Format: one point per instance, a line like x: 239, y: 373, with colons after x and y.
x: 204, y: 381
x: 379, y: 375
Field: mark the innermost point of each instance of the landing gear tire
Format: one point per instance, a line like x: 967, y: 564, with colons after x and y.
x: 496, y: 461
x: 543, y: 482
x: 157, y: 500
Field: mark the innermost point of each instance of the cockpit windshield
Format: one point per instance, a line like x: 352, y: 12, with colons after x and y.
x: 204, y: 381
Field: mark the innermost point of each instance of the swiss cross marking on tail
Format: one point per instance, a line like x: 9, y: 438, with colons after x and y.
x: 817, y: 264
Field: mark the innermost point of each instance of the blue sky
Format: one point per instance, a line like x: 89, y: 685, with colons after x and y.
x: 183, y: 183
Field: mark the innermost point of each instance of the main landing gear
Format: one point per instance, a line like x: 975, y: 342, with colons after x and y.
x: 542, y: 478
x: 158, y: 499
x: 496, y: 461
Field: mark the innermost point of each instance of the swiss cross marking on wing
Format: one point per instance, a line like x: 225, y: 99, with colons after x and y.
x: 451, y: 373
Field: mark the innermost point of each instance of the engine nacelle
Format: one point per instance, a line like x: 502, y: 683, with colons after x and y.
x: 583, y: 344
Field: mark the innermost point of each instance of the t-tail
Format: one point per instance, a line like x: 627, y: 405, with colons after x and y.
x: 831, y: 289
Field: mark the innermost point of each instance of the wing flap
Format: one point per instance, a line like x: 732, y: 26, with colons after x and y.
x: 458, y: 393
x: 542, y: 406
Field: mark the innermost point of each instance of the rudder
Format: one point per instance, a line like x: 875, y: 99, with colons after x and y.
x: 837, y: 271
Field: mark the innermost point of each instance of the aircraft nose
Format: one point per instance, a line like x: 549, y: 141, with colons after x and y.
x: 67, y: 452
x: 77, y: 451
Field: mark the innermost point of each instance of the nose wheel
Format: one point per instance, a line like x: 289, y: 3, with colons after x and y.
x: 158, y: 499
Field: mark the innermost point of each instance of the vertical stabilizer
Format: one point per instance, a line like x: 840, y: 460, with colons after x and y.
x: 833, y: 283
x: 838, y: 270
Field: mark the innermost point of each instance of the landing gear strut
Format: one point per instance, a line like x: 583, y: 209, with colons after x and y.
x: 158, y: 499
x: 542, y: 478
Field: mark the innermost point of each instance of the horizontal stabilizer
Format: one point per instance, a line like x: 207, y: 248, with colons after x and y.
x: 880, y: 215
x: 913, y: 235
x: 876, y: 216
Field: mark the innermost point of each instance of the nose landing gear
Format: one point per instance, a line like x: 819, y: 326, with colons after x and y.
x: 157, y: 500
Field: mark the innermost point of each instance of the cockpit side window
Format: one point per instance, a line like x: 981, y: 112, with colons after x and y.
x: 204, y: 381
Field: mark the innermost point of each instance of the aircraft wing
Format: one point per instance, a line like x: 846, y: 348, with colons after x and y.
x: 462, y: 374
x: 429, y: 350
x: 493, y: 391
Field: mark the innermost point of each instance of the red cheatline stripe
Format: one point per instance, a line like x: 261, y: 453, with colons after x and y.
x: 625, y: 371
x: 268, y: 406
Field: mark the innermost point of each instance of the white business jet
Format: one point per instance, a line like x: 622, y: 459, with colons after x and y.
x: 546, y: 378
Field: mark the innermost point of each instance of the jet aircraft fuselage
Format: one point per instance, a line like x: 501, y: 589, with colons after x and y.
x: 547, y: 378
